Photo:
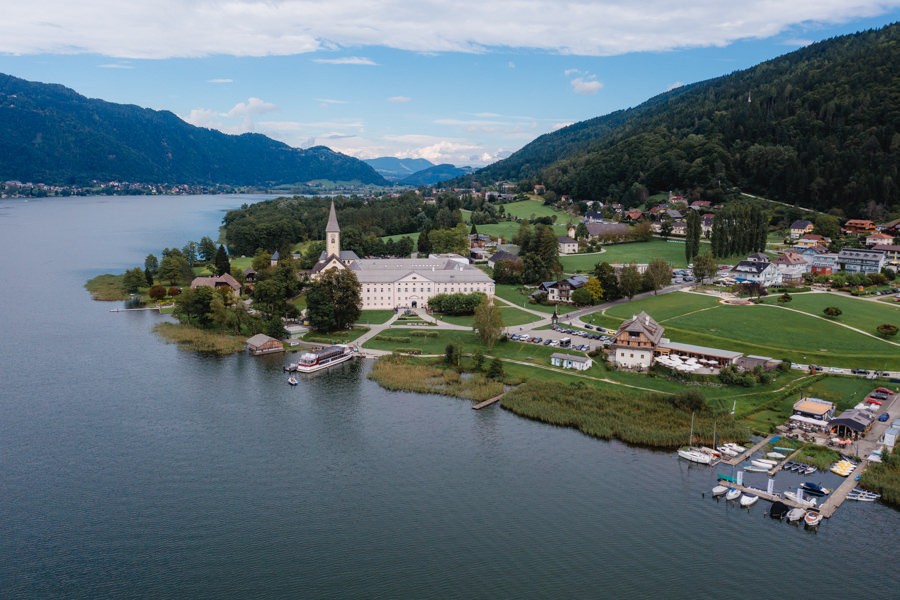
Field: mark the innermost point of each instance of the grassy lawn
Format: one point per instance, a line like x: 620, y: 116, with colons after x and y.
x: 335, y: 337
x: 374, y: 317
x: 512, y: 316
x: 414, y: 236
x: 861, y: 314
x: 764, y: 330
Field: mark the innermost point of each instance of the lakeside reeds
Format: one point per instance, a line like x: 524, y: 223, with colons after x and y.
x: 650, y: 420
x: 884, y: 477
x: 106, y: 288
x: 397, y: 373
x: 200, y: 340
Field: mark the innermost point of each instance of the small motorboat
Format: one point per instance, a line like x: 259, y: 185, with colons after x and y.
x: 735, y: 447
x: 726, y: 450
x: 756, y: 469
x: 807, y: 502
x: 809, y: 469
x: 762, y: 464
x: 812, y: 518
x: 783, y: 449
x: 732, y: 494
x: 795, y: 514
x: 778, y: 510
x: 292, y: 380
x: 814, y: 488
x: 862, y: 495
x: 775, y: 455
x: 749, y: 500
x: 719, y: 490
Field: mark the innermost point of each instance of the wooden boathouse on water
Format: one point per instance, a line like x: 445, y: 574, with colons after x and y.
x: 263, y: 344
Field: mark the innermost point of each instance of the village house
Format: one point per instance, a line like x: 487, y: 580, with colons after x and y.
x: 608, y: 232
x: 225, y: 280
x: 859, y: 226
x: 809, y: 240
x: 500, y: 255
x: 706, y: 224
x: 679, y: 228
x: 879, y: 239
x: 571, y: 361
x: 561, y: 291
x: 567, y: 245
x: 823, y: 263
x: 760, y: 272
x: 635, y: 341
x: 593, y: 217
x: 891, y: 256
x: 701, y: 204
x: 792, y: 267
x: 800, y: 227
x: 857, y: 260
x: 633, y: 215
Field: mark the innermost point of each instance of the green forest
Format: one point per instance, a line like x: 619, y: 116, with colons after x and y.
x: 818, y: 127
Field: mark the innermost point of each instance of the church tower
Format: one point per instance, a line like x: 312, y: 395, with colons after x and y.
x: 332, y: 234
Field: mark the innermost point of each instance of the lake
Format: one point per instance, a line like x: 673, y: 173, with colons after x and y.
x: 131, y: 468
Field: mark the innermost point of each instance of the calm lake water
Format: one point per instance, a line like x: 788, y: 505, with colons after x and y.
x: 131, y: 468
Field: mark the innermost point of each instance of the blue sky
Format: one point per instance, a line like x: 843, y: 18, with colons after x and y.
x: 465, y: 82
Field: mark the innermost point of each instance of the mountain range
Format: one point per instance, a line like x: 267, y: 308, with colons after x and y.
x: 51, y: 134
x: 818, y: 127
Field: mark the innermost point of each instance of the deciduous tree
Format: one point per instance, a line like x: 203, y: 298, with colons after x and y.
x: 629, y: 281
x: 488, y: 322
x: 658, y: 274
x: 334, y: 300
x: 704, y: 267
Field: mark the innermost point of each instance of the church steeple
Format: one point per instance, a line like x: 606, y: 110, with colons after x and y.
x: 332, y: 234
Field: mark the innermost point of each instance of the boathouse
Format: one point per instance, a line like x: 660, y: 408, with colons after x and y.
x: 263, y: 344
x: 571, y: 361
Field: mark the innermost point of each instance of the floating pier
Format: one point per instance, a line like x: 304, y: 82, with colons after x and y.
x: 837, y: 497
x: 736, y: 460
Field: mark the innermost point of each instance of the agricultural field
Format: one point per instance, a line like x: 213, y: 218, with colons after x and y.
x: 533, y: 208
x: 764, y: 330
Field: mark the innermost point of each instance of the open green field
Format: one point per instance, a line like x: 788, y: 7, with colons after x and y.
x: 414, y: 236
x: 533, y: 208
x: 764, y: 330
x: 672, y: 251
x: 861, y: 314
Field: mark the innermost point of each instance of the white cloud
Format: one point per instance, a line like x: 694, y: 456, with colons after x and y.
x: 675, y: 86
x: 587, y: 86
x: 239, y: 119
x: 117, y: 65
x: 330, y: 101
x: 399, y: 99
x: 220, y: 81
x: 798, y: 42
x: 175, y: 28
x: 348, y: 60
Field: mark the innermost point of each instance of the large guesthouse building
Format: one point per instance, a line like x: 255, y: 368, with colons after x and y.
x: 389, y: 283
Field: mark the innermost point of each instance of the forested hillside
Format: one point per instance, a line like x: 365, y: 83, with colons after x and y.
x: 51, y: 134
x: 819, y: 127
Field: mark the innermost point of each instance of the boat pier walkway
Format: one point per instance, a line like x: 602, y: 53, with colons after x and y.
x: 487, y: 402
x: 736, y: 460
x: 776, y: 497
x: 781, y: 464
x: 837, y: 497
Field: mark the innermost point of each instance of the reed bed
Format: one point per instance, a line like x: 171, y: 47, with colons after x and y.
x: 818, y: 456
x: 106, y: 288
x: 884, y: 478
x: 201, y: 340
x: 397, y: 373
x: 651, y: 420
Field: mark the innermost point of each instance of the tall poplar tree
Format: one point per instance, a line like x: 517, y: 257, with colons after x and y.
x: 692, y: 241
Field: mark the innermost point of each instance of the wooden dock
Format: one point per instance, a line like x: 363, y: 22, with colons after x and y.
x: 736, y: 460
x: 780, y: 465
x: 837, y: 497
x: 776, y: 497
x: 487, y: 402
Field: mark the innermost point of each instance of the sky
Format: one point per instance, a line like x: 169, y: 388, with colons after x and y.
x: 465, y: 82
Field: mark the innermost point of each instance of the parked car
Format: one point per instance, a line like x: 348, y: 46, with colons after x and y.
x: 548, y: 342
x: 588, y: 326
x: 874, y: 401
x: 884, y: 417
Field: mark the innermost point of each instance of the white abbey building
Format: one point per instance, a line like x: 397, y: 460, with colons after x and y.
x: 389, y: 283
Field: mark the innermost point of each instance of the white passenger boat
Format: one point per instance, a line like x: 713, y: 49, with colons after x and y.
x: 310, y: 362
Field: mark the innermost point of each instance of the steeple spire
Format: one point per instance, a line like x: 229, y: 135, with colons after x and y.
x: 332, y: 234
x: 332, y: 221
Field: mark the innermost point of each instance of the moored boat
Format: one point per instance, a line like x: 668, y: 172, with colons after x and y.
x: 749, y: 500
x: 695, y: 455
x: 310, y: 362
x: 776, y: 455
x: 719, y: 490
x: 795, y: 514
x: 756, y: 469
x: 778, y: 510
x: 732, y: 494
x: 814, y: 488
x: 292, y: 380
x: 807, y: 502
x: 812, y: 518
x: 762, y: 464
